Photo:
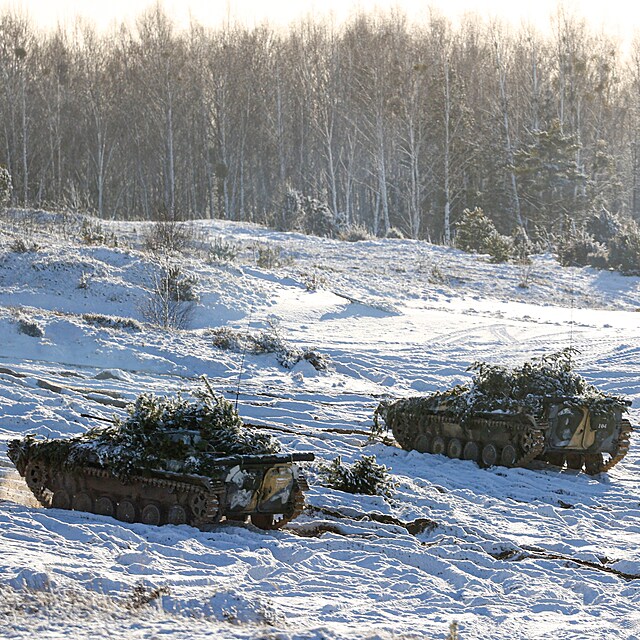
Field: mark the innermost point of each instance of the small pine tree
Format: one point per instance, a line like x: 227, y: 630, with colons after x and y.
x: 579, y: 249
x: 365, y: 476
x: 476, y: 233
x: 6, y: 187
x: 624, y: 250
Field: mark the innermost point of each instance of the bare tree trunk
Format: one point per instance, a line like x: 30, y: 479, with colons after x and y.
x: 504, y: 102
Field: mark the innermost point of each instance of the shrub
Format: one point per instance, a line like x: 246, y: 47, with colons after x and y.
x: 603, y: 226
x: 306, y: 214
x: 111, y: 322
x: 394, y: 232
x: 142, y: 595
x: 474, y: 231
x: 499, y: 248
x: 168, y: 236
x: 6, y: 187
x: 18, y: 245
x: 30, y: 328
x: 268, y: 342
x: 579, y: 249
x: 624, y: 250
x: 172, y: 298
x: 222, y: 251
x: 365, y: 476
x: 93, y: 233
x: 314, y: 281
x: 318, y: 219
x: 355, y: 233
x: 269, y: 256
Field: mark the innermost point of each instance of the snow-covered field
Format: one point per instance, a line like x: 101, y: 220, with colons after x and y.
x: 507, y: 553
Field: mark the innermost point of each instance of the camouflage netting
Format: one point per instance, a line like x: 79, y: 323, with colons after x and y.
x: 173, y: 434
x: 521, y: 389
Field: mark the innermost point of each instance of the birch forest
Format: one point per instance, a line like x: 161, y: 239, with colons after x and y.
x: 390, y: 123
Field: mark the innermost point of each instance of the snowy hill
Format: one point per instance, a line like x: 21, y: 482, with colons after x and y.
x: 507, y: 553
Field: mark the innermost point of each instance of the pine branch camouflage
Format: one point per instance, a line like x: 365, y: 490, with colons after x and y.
x: 521, y: 389
x: 173, y: 434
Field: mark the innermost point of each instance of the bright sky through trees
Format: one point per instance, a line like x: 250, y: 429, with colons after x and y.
x: 619, y: 17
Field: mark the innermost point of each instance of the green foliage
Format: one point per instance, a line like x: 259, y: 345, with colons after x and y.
x: 365, y: 476
x: 268, y: 256
x: 603, y: 226
x: 624, y: 250
x: 499, y: 248
x: 549, y: 176
x: 221, y: 251
x: 519, y: 389
x: 6, y: 187
x: 306, y: 214
x: 173, y: 434
x: 579, y: 249
x: 476, y: 233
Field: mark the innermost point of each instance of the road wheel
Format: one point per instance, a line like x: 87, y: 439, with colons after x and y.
x: 438, y: 445
x: 454, y: 448
x: 489, y: 454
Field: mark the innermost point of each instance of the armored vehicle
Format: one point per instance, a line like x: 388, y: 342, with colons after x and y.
x: 208, y: 469
x: 513, y: 416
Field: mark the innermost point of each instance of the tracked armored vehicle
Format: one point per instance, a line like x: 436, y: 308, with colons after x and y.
x: 513, y: 416
x: 147, y: 470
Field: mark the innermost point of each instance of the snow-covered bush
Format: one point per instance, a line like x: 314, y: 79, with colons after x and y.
x: 499, y: 248
x: 476, y: 233
x: 603, y: 226
x: 355, y: 233
x: 222, y: 251
x: 172, y: 298
x: 364, y: 476
x: 93, y: 233
x: 306, y: 214
x: 142, y: 595
x: 267, y: 342
x: 19, y: 245
x: 318, y: 219
x: 624, y: 250
x: 473, y: 231
x: 6, y: 187
x: 579, y: 249
x: 30, y: 328
x: 394, y: 233
x: 111, y: 322
x: 168, y: 236
x: 268, y: 256
x: 314, y: 281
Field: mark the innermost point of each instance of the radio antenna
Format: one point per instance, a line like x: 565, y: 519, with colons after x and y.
x: 244, y: 353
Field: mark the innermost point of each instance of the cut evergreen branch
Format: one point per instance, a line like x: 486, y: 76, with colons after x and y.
x: 523, y: 389
x: 167, y: 433
x: 364, y: 476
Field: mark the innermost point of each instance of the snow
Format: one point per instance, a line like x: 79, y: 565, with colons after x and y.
x: 507, y: 553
